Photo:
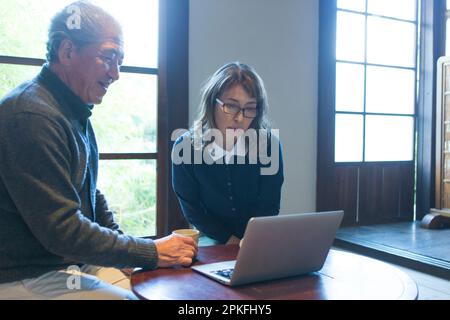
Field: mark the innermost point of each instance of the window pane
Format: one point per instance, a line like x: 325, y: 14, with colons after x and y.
x: 349, y: 138
x: 126, y: 119
x: 349, y: 87
x: 130, y: 189
x: 401, y: 9
x: 391, y: 42
x: 355, y: 5
x: 13, y: 75
x: 390, y: 90
x: 389, y: 138
x: 24, y: 24
x: 350, y: 36
x: 139, y: 22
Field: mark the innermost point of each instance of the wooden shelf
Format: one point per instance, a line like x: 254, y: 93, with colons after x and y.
x: 443, y: 122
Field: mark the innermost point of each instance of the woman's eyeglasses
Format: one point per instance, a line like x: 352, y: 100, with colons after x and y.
x: 235, y: 109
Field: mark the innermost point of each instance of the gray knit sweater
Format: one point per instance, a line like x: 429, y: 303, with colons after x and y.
x: 51, y: 214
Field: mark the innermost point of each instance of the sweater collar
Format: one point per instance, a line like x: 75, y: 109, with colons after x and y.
x: 64, y: 95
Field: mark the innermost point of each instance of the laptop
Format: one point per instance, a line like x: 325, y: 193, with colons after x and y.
x: 277, y: 247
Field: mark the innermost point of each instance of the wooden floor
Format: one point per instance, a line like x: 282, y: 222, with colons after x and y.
x: 423, y: 254
x: 405, y: 243
x: 407, y: 236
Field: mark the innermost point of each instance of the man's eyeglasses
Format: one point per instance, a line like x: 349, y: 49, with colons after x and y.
x: 234, y: 109
x: 110, y: 58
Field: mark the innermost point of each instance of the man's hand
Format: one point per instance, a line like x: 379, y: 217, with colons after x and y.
x: 175, y: 250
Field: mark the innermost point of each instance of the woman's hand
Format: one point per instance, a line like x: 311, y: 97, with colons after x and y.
x: 233, y: 240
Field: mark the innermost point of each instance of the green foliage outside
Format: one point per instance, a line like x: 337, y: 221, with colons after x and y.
x: 124, y: 123
x: 130, y: 187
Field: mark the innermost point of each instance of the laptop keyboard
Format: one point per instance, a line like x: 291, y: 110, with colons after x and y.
x: 226, y: 273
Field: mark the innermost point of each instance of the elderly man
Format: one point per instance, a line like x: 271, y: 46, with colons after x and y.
x: 58, y: 239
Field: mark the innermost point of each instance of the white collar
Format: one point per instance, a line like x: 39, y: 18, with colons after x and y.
x: 216, y: 152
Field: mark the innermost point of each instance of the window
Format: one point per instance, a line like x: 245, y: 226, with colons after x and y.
x: 126, y: 123
x: 376, y: 74
x: 368, y: 108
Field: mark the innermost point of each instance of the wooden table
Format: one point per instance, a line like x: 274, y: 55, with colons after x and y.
x: 344, y: 276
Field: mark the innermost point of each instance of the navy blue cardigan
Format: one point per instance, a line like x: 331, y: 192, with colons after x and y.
x: 219, y: 199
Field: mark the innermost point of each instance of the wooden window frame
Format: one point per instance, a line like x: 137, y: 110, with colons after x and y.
x: 369, y: 192
x: 366, y: 65
x: 173, y: 106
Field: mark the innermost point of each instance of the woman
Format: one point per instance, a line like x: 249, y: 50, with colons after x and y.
x: 220, y: 193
